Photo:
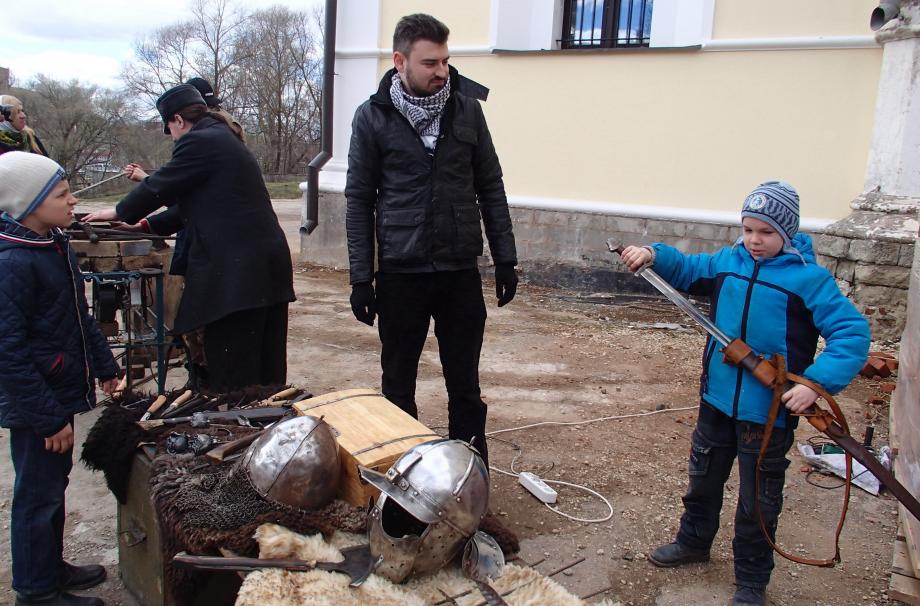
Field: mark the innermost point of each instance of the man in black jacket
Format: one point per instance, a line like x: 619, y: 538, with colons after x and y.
x: 422, y: 171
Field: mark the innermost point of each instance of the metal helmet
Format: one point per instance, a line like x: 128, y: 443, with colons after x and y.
x: 432, y: 500
x: 295, y: 463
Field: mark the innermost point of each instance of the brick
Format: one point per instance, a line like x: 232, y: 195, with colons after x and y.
x: 882, y: 275
x: 845, y: 270
x: 906, y: 258
x: 630, y: 225
x: 709, y: 231
x: 882, y: 297
x: 845, y: 287
x: 828, y: 263
x: 873, y: 251
x: 659, y: 227
x: 832, y: 246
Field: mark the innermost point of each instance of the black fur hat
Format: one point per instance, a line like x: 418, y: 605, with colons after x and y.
x: 175, y: 100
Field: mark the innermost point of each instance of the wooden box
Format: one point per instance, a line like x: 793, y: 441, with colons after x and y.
x: 371, y: 431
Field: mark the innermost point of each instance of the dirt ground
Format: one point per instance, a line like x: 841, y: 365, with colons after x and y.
x: 552, y: 356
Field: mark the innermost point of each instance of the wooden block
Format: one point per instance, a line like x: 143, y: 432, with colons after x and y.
x: 371, y: 431
x: 903, y: 586
x: 106, y: 248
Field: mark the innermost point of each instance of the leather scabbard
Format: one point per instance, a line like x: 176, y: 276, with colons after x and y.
x: 861, y: 454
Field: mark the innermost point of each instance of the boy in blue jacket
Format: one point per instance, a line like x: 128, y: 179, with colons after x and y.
x: 50, y: 355
x: 768, y: 291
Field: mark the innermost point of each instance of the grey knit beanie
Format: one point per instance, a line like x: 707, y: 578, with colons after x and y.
x: 776, y: 203
x: 25, y: 181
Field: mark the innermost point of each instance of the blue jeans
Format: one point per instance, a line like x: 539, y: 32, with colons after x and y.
x: 717, y: 440
x: 37, y: 535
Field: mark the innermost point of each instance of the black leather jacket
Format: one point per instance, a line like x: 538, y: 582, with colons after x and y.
x: 424, y: 209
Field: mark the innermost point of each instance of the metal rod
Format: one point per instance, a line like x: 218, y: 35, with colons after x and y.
x: 80, y: 191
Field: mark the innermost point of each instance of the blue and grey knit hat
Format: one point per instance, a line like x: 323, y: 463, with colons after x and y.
x: 776, y: 203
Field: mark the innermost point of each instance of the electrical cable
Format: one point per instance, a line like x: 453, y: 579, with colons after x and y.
x: 490, y: 436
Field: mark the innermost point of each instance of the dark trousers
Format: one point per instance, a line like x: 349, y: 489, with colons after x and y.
x: 37, y: 534
x: 717, y: 440
x: 405, y: 305
x: 247, y: 347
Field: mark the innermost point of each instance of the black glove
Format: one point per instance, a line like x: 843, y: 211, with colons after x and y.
x: 363, y: 303
x: 506, y: 282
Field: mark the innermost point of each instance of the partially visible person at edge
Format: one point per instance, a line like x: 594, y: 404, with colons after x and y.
x: 14, y: 134
x: 169, y: 222
x: 422, y: 172
x: 213, y: 102
x: 768, y: 291
x: 51, y: 353
x: 238, y: 274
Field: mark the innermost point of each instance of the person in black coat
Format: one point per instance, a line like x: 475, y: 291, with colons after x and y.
x: 51, y: 354
x: 423, y: 180
x: 238, y: 273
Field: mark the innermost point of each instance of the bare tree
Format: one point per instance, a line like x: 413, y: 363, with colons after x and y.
x: 78, y: 124
x: 281, y: 79
x: 219, y: 24
x: 163, y: 60
x: 264, y: 65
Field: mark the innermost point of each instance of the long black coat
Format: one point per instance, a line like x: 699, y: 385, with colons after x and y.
x: 426, y: 212
x: 238, y: 257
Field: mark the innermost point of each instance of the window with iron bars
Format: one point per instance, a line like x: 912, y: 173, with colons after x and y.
x: 606, y: 23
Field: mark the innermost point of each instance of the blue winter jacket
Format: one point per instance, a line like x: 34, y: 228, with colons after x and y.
x: 777, y: 306
x: 51, y: 350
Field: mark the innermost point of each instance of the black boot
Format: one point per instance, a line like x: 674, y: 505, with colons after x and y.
x: 81, y: 577
x: 675, y: 554
x: 749, y: 596
x: 58, y: 598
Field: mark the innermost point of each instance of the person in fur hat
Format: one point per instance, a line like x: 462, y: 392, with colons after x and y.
x: 51, y: 353
x: 14, y: 134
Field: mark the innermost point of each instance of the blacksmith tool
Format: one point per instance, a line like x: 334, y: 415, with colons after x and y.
x: 357, y: 564
x: 772, y: 374
x: 179, y: 401
x: 154, y: 407
x: 243, y: 416
x: 220, y: 453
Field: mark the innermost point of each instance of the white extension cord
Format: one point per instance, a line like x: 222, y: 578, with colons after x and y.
x: 540, y: 488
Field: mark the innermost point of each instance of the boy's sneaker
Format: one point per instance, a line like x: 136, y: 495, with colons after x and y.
x: 674, y: 554
x: 58, y: 598
x: 82, y: 577
x: 749, y: 596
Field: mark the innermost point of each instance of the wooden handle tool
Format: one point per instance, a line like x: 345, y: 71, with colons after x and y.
x: 154, y: 407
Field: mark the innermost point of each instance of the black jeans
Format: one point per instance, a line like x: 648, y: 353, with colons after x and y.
x: 717, y: 440
x: 406, y: 303
x: 247, y: 347
x: 37, y: 521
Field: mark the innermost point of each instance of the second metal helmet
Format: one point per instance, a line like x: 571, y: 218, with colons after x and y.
x: 295, y: 463
x: 433, y: 499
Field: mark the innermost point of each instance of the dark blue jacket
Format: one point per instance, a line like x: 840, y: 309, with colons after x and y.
x: 777, y: 306
x: 51, y: 350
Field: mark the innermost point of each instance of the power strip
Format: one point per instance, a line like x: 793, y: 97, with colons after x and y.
x: 537, y: 487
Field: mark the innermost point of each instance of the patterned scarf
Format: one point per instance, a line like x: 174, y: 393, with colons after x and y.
x: 423, y: 113
x: 17, y: 140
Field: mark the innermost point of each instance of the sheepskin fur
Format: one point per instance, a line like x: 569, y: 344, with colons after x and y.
x: 321, y: 588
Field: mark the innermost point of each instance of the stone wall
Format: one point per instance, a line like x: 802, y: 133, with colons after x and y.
x: 868, y: 252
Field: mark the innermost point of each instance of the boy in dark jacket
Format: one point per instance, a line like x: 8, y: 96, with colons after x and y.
x: 771, y: 294
x: 50, y: 355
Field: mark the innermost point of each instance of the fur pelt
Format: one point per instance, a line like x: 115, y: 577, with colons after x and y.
x: 321, y: 588
x: 111, y: 443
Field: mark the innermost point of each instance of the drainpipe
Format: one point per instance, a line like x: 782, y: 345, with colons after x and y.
x: 311, y: 220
